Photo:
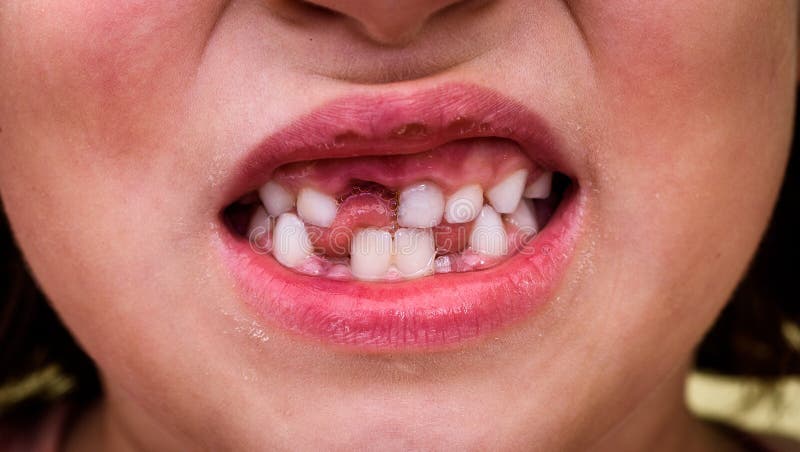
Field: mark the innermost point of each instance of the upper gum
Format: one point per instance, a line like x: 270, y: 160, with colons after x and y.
x: 451, y: 167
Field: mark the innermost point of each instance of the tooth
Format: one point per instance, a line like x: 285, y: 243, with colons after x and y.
x: 258, y: 232
x: 421, y: 206
x: 488, y: 236
x: 524, y: 218
x: 276, y: 198
x: 505, y: 196
x: 540, y: 188
x: 316, y: 207
x: 463, y: 205
x: 370, y: 254
x: 290, y: 243
x: 414, y: 252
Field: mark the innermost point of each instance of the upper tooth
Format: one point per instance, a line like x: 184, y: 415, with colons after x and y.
x: 316, y: 207
x: 488, y: 235
x: 421, y: 206
x: 414, y: 252
x: 524, y: 218
x: 276, y: 198
x: 463, y: 205
x: 290, y: 243
x: 540, y: 188
x: 505, y: 196
x: 370, y: 254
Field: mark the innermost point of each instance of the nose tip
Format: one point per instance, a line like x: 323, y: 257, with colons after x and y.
x: 388, y: 22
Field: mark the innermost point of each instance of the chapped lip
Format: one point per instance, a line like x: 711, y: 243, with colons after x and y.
x: 428, y: 313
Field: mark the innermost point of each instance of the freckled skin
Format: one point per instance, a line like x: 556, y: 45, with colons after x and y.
x: 121, y: 120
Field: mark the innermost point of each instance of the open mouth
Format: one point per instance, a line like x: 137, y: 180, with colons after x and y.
x: 465, y: 206
x: 401, y: 222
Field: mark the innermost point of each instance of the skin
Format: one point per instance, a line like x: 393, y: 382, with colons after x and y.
x: 119, y: 119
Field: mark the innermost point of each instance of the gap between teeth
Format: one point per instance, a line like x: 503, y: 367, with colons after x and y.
x: 410, y: 252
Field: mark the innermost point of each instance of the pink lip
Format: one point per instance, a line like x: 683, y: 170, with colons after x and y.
x: 427, y: 313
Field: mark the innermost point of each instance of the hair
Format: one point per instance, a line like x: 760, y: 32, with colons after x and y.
x: 757, y: 333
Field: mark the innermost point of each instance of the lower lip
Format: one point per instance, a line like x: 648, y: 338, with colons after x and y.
x: 429, y: 313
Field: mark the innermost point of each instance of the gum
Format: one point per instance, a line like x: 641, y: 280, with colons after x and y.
x: 484, y: 161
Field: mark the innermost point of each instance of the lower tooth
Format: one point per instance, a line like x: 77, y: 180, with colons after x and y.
x: 370, y: 254
x: 291, y: 245
x: 414, y: 252
x: 524, y: 218
x: 488, y: 236
x: 258, y: 232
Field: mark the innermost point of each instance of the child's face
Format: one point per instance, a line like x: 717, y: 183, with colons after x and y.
x: 123, y: 126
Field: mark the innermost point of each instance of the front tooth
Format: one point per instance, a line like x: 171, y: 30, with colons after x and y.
x: 290, y: 243
x: 276, y: 198
x: 370, y: 254
x: 505, y: 196
x: 414, y: 252
x: 463, y: 205
x: 540, y: 188
x: 524, y: 218
x: 421, y: 206
x: 488, y: 236
x: 316, y: 207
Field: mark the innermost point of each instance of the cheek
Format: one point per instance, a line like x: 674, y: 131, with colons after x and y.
x: 105, y: 73
x: 697, y: 106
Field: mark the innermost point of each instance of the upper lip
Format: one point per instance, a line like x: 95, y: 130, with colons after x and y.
x: 396, y: 123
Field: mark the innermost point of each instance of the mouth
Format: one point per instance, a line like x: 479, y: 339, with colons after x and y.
x: 403, y: 221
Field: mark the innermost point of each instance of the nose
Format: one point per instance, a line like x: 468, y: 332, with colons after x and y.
x: 388, y: 22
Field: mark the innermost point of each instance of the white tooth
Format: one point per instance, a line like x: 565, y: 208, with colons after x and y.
x: 370, y: 254
x: 421, y: 206
x: 414, y: 252
x: 276, y: 198
x: 261, y: 219
x: 505, y: 196
x: 524, y: 218
x: 488, y: 236
x: 463, y: 205
x: 291, y: 245
x: 540, y: 188
x: 258, y: 232
x: 316, y: 208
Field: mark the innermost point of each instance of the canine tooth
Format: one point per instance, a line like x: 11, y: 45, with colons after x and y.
x: 276, y: 198
x: 414, y: 252
x: 488, y: 236
x: 370, y: 254
x: 540, y: 188
x: 421, y: 206
x: 505, y: 195
x: 291, y: 246
x: 463, y: 205
x: 524, y: 217
x: 316, y: 207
